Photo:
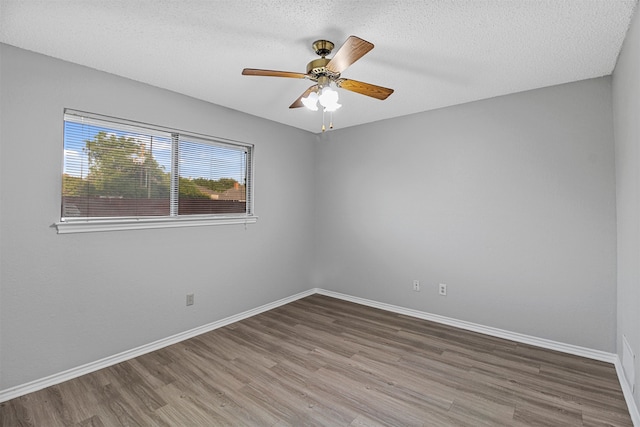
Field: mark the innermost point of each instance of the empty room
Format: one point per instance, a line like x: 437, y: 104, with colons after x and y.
x: 338, y: 213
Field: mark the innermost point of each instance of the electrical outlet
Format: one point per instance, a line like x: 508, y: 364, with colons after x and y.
x: 442, y: 289
x: 189, y: 299
x: 416, y: 285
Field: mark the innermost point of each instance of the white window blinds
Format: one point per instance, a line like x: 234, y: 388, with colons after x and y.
x: 118, y: 169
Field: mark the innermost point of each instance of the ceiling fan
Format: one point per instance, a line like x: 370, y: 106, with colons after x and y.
x: 326, y: 73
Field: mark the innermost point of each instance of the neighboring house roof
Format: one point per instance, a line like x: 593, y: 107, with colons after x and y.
x: 237, y: 193
x: 212, y: 194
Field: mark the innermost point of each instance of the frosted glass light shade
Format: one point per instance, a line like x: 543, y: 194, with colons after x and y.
x: 311, y: 101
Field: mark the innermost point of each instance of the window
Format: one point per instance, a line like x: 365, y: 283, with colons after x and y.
x: 120, y: 174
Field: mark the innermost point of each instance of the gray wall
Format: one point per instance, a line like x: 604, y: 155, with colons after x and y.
x: 626, y: 107
x: 67, y: 300
x: 509, y: 201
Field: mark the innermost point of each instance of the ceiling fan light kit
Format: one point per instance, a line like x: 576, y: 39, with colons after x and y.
x: 326, y: 73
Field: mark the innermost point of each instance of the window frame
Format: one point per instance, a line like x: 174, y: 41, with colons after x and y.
x: 96, y: 224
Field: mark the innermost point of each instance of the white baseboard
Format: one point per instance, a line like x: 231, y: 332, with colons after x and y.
x: 58, y: 378
x: 628, y: 394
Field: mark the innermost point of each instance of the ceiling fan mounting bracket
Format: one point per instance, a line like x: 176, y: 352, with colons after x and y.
x: 322, y: 47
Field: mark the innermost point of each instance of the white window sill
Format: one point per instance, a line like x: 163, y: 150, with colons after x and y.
x: 95, y: 225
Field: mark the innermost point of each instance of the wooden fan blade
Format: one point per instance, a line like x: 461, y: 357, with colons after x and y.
x: 352, y: 50
x: 298, y: 102
x: 368, y: 89
x: 272, y: 73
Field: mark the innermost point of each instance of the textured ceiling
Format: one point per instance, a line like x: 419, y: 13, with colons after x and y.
x: 434, y: 53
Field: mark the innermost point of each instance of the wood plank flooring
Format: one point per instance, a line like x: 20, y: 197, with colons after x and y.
x: 325, y: 362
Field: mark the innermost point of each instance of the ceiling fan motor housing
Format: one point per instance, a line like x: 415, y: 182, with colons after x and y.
x: 318, y: 67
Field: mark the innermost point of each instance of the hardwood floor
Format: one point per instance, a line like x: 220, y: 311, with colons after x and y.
x: 323, y: 361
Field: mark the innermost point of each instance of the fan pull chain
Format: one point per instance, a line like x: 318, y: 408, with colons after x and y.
x: 323, y: 128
